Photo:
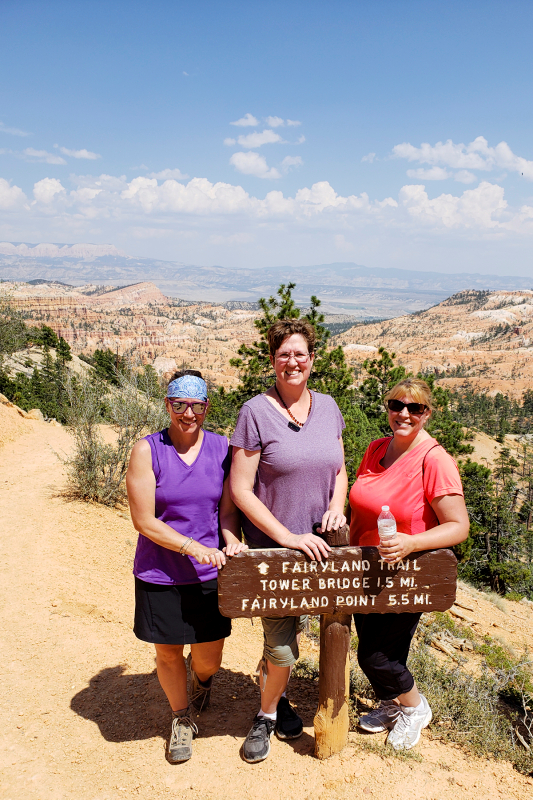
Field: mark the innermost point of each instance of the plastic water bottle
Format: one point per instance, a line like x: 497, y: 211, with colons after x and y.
x: 386, y: 525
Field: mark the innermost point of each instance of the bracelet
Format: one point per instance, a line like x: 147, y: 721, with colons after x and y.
x: 184, y: 546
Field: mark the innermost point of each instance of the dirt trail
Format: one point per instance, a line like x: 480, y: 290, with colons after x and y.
x: 82, y: 714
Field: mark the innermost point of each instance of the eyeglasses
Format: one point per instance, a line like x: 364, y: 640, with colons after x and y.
x: 181, y: 406
x: 301, y: 358
x: 417, y: 409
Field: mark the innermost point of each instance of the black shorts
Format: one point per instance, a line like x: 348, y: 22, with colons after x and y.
x: 179, y: 614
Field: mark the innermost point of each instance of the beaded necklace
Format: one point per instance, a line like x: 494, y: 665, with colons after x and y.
x: 291, y: 415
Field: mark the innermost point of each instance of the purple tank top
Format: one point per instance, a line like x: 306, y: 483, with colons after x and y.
x: 186, y: 499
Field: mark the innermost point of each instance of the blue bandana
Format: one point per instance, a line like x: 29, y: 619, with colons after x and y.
x: 188, y: 386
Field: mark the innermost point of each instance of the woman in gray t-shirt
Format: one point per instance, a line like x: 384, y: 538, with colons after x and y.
x: 288, y: 472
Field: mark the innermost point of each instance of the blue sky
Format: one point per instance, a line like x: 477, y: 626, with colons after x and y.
x: 391, y: 134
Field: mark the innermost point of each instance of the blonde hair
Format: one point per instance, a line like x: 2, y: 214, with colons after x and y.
x: 415, y: 388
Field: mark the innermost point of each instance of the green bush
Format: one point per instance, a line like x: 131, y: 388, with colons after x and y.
x: 97, y: 470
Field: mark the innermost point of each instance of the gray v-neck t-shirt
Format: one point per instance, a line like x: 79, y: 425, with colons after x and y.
x: 297, y: 470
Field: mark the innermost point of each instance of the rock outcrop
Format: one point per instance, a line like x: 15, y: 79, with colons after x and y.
x: 139, y: 321
x: 484, y: 338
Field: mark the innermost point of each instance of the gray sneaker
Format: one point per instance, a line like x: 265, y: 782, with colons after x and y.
x: 180, y: 744
x: 409, y: 726
x: 200, y: 692
x: 381, y: 718
x: 256, y: 746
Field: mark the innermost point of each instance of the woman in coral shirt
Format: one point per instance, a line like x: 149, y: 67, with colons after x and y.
x: 419, y: 481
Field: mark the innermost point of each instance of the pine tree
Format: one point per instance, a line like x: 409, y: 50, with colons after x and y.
x: 63, y: 351
x: 382, y: 374
x: 13, y: 332
x: 443, y: 425
x: 51, y: 382
x: 497, y: 552
x: 48, y: 337
x: 330, y: 373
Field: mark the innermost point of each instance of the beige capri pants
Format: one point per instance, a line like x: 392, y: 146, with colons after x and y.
x: 280, y: 643
x: 279, y: 633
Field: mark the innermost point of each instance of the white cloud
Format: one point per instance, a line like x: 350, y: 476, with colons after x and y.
x: 114, y: 205
x: 229, y: 141
x: 10, y: 196
x: 464, y: 176
x: 293, y: 123
x: 479, y: 208
x: 45, y: 191
x: 198, y: 197
x: 165, y: 174
x: 248, y: 121
x: 433, y: 174
x: 110, y: 183
x: 301, y: 140
x: 291, y: 161
x: 253, y: 164
x: 274, y: 122
x: 12, y: 131
x: 369, y: 157
x: 43, y: 156
x: 85, y: 194
x: 476, y: 155
x: 79, y: 153
x: 257, y: 139
x: 185, y: 73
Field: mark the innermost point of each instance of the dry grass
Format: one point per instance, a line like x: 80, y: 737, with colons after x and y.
x: 489, y: 715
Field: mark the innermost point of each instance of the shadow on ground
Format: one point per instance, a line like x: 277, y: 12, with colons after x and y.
x: 133, y: 707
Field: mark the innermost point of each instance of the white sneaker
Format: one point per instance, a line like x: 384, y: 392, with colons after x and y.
x: 381, y: 718
x: 409, y: 725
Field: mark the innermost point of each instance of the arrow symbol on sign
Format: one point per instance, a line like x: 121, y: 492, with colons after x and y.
x: 263, y: 568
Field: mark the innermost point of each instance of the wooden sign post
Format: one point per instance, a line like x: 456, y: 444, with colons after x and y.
x: 332, y: 718
x: 283, y: 583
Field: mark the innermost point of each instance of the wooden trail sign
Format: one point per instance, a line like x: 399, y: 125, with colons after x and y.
x: 283, y: 583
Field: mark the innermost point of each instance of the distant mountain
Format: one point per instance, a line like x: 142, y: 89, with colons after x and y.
x: 343, y: 287
x: 53, y: 250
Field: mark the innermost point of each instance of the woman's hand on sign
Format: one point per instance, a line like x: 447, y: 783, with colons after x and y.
x: 332, y: 521
x: 313, y: 546
x: 206, y: 555
x: 232, y: 548
x: 397, y: 548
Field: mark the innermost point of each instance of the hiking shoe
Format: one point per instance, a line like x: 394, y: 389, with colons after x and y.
x: 200, y: 692
x: 180, y: 744
x: 381, y: 718
x: 409, y: 726
x: 288, y: 724
x: 256, y: 746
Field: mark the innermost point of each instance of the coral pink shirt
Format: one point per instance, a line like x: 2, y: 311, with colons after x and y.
x: 408, y: 487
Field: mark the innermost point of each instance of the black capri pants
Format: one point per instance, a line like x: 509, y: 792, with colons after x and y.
x: 384, y: 642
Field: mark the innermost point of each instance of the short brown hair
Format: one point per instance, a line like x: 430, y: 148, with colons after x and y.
x: 283, y: 328
x: 181, y: 372
x: 415, y: 388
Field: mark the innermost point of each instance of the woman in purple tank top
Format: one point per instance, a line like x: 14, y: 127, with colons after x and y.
x: 180, y: 504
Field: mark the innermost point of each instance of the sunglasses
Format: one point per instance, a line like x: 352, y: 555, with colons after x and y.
x: 417, y: 409
x: 181, y: 406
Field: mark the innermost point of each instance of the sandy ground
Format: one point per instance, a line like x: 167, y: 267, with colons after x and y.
x: 82, y: 715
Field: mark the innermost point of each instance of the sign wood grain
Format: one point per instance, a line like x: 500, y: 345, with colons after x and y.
x: 282, y: 583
